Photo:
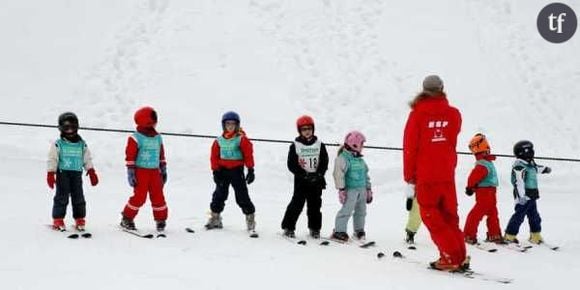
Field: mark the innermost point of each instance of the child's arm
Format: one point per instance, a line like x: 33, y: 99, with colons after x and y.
x: 247, y: 151
x: 88, y: 158
x: 520, y: 177
x: 478, y: 173
x: 52, y: 162
x: 369, y: 185
x: 323, y: 162
x: 131, y: 151
x: 340, y: 165
x: 293, y: 163
x: 162, y: 161
x: 215, y: 156
x: 543, y: 169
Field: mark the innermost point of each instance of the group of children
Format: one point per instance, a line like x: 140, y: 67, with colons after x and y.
x: 232, y: 153
x: 483, y: 182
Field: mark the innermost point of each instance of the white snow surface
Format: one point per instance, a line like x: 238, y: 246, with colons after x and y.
x: 350, y: 64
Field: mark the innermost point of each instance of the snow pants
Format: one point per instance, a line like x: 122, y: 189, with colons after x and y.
x: 414, y: 218
x: 485, y: 206
x: 438, y: 206
x: 148, y: 181
x: 236, y: 178
x: 312, y: 196
x: 69, y: 183
x: 356, y: 200
x: 529, y: 209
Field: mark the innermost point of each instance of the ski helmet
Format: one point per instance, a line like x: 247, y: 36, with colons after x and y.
x: 230, y: 116
x: 304, y: 120
x: 524, y: 150
x: 146, y: 117
x: 68, y: 120
x: 479, y: 144
x: 355, y: 141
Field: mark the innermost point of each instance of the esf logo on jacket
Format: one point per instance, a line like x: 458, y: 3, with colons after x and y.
x: 438, y: 132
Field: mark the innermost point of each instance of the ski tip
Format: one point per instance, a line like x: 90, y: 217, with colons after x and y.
x: 411, y: 247
x: 189, y: 230
x: 73, y: 236
x: 380, y: 255
x: 302, y: 242
x: 397, y: 254
x: 324, y: 243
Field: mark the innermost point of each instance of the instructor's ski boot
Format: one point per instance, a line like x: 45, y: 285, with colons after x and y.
x: 536, y: 238
x: 58, y: 225
x: 251, y: 222
x: 160, y: 225
x: 445, y: 264
x: 214, y: 222
x: 289, y: 233
x: 128, y: 224
x: 410, y: 237
x: 80, y: 224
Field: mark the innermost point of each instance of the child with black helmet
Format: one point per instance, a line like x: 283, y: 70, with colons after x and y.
x: 230, y: 152
x: 525, y: 182
x: 66, y: 159
x: 308, y: 161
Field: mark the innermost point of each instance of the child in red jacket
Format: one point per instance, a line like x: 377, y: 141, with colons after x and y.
x: 146, y: 170
x: 483, y: 181
x: 230, y: 152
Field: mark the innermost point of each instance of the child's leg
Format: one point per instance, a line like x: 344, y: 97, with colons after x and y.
x: 77, y: 196
x: 517, y: 219
x: 414, y: 218
x: 493, y: 227
x: 314, y: 203
x: 534, y: 217
x: 158, y: 204
x: 345, y: 212
x: 220, y: 194
x: 473, y: 218
x: 60, y: 200
x: 294, y: 209
x: 241, y: 191
x: 360, y: 211
x: 139, y: 194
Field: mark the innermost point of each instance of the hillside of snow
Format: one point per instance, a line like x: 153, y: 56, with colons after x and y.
x: 350, y: 64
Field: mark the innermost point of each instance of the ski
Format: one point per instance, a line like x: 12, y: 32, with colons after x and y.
x: 138, y: 234
x: 515, y: 247
x: 360, y: 244
x: 189, y: 230
x: 469, y: 274
x: 365, y: 244
x: 486, y: 247
x: 293, y: 240
x: 73, y: 236
x: 542, y: 244
x: 161, y: 235
x: 65, y: 232
x: 253, y: 234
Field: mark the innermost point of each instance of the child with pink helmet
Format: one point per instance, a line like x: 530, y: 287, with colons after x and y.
x: 352, y: 180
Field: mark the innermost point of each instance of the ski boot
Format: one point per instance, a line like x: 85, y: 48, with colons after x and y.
x: 536, y: 238
x: 160, y: 224
x: 360, y: 235
x: 214, y: 222
x: 410, y: 237
x: 470, y: 240
x: 445, y: 264
x: 466, y: 264
x: 250, y: 222
x: 510, y: 239
x: 80, y: 224
x: 340, y: 236
x: 58, y: 225
x: 496, y: 239
x: 128, y: 224
x: 289, y: 233
x: 315, y: 234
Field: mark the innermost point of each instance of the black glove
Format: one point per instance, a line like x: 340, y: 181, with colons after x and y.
x: 409, y: 204
x: 547, y: 170
x: 469, y: 191
x: 250, y: 176
x: 163, y: 171
x: 218, y: 177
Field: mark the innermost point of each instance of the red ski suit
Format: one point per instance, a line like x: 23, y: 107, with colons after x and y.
x: 148, y: 180
x: 485, y: 203
x: 429, y: 161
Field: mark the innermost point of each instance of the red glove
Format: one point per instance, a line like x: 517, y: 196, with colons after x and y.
x: 93, y: 176
x: 50, y: 179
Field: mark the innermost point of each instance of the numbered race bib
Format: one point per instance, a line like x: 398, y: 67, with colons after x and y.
x: 308, y: 155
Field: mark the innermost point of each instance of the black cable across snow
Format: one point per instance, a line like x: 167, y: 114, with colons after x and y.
x: 384, y: 148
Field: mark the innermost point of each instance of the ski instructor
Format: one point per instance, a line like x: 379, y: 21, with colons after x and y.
x: 429, y: 161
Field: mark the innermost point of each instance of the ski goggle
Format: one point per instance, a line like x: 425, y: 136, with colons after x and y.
x: 69, y: 127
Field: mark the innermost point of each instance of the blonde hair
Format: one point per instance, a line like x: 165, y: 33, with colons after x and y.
x: 424, y: 95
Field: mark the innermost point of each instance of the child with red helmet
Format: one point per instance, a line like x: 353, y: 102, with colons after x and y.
x: 352, y: 180
x: 483, y: 182
x: 67, y: 158
x: 308, y: 161
x: 146, y: 170
x: 230, y: 152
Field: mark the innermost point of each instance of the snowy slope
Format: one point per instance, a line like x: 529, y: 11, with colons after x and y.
x: 351, y: 64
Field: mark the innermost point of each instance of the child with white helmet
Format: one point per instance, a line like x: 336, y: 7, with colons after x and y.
x: 352, y: 180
